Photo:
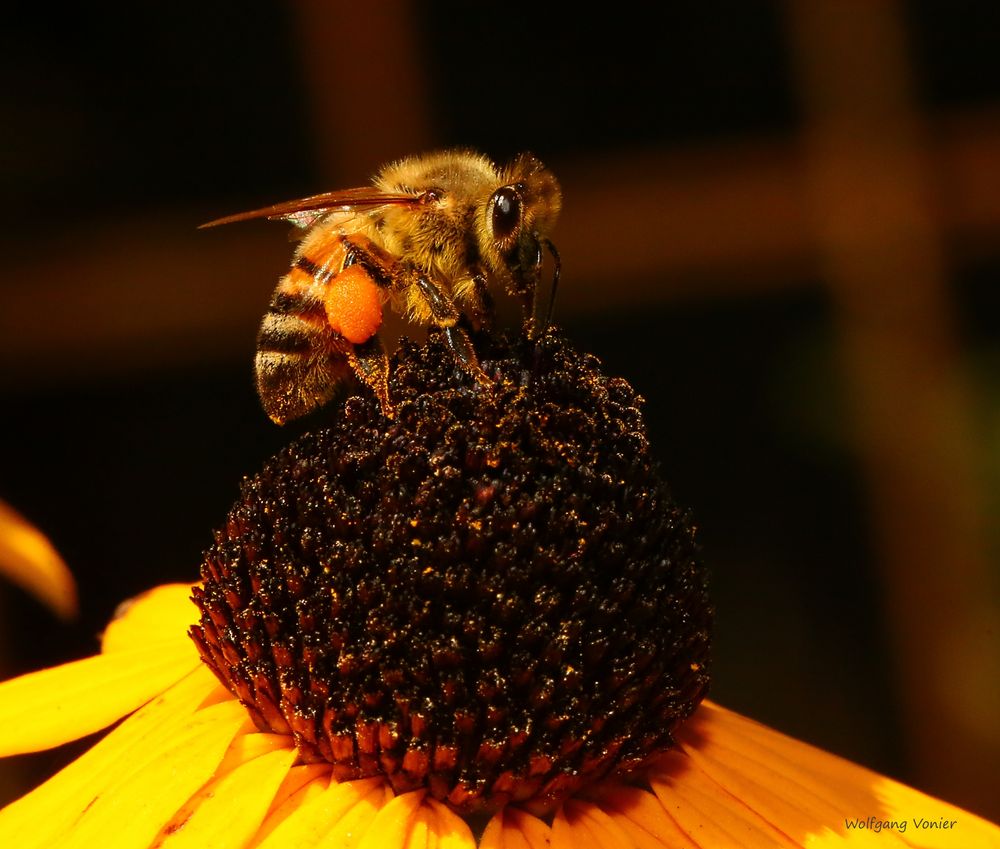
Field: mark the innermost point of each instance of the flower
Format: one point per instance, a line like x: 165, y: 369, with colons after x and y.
x: 480, y: 623
x: 187, y: 768
x: 27, y: 558
x: 490, y: 595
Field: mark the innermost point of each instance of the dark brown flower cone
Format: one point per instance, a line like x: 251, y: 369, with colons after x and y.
x: 491, y: 595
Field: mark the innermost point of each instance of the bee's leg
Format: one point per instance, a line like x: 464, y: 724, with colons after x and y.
x: 540, y: 319
x: 481, y: 308
x: 371, y: 364
x: 461, y: 346
x: 523, y: 286
x: 445, y: 315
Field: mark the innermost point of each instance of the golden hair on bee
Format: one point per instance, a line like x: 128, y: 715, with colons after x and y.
x: 433, y: 238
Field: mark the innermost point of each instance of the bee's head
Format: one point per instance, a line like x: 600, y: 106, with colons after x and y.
x: 516, y: 221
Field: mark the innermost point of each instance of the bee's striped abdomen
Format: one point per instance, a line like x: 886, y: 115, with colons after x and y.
x: 301, y: 361
x: 292, y: 322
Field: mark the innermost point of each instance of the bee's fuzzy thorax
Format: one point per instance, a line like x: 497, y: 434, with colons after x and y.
x: 446, y: 168
x: 491, y: 595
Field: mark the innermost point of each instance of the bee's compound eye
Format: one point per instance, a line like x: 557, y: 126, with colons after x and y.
x: 506, y: 212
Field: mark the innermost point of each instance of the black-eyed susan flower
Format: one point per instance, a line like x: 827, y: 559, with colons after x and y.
x: 481, y: 623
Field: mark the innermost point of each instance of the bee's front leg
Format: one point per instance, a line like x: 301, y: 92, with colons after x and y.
x: 445, y: 315
x: 370, y: 363
x: 481, y: 309
x: 541, y: 318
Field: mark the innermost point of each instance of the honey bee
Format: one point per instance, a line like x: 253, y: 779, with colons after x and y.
x: 432, y: 237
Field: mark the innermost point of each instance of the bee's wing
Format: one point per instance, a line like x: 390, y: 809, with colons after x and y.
x: 304, y: 212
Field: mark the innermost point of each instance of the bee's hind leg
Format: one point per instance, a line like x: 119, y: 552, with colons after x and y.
x: 370, y: 363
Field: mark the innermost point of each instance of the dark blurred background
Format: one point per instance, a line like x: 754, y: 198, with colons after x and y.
x: 782, y: 224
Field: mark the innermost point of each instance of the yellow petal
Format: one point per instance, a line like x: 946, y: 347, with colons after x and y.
x: 605, y: 829
x: 47, y: 708
x: 132, y: 808
x: 391, y: 827
x: 313, y: 775
x: 769, y: 786
x: 358, y: 823
x: 494, y: 836
x: 230, y: 814
x: 568, y: 833
x: 28, y: 559
x: 420, y: 834
x: 41, y: 817
x: 809, y: 796
x: 513, y: 828
x: 583, y: 825
x: 252, y: 745
x: 317, y: 819
x: 248, y: 744
x: 163, y: 613
x: 535, y: 832
x: 450, y: 830
x: 640, y: 815
x: 301, y: 783
x: 754, y: 749
x: 51, y: 808
x: 708, y: 813
x: 962, y: 829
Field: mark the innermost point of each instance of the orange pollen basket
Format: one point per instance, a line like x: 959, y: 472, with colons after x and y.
x: 353, y: 304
